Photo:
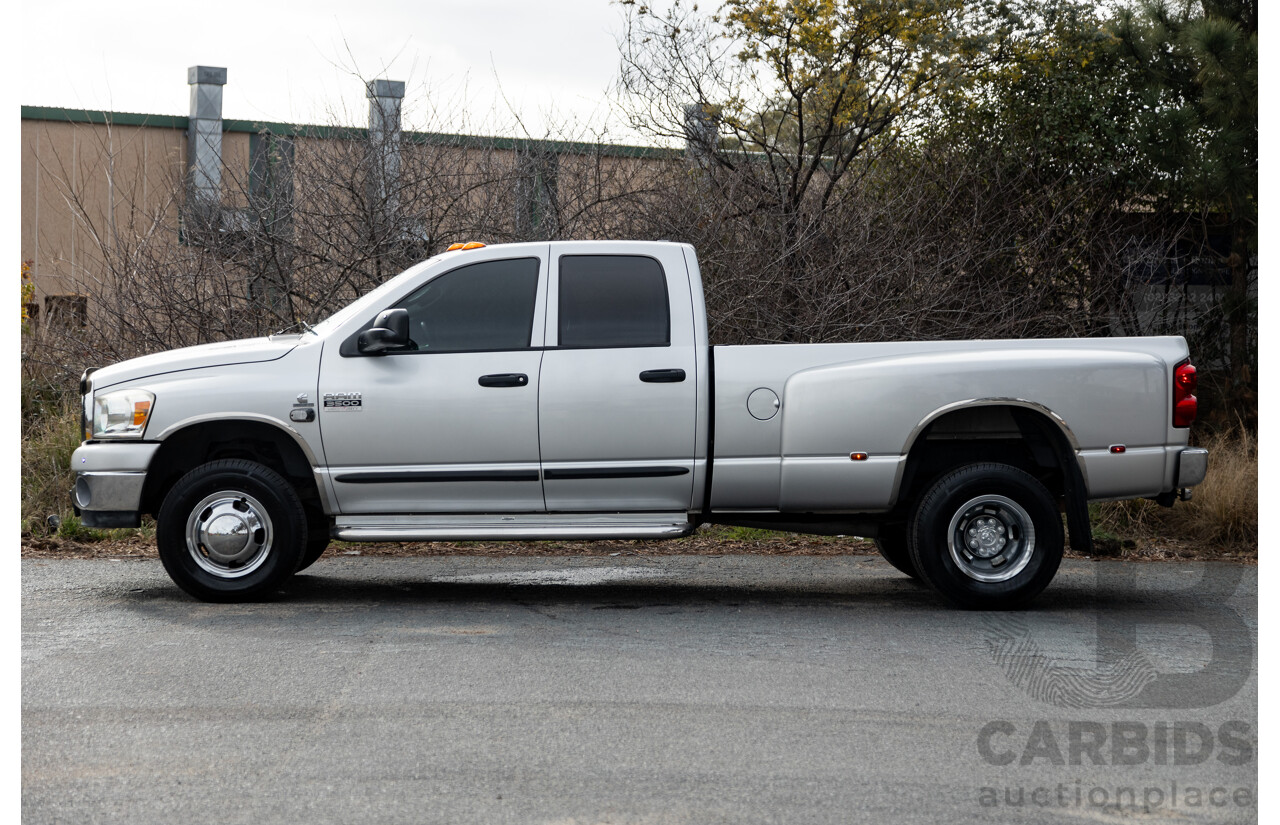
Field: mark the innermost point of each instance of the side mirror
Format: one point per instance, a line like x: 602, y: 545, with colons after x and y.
x: 390, y: 330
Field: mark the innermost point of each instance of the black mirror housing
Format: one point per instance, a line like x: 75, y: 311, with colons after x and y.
x: 390, y: 330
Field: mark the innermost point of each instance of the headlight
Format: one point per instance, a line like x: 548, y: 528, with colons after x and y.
x: 122, y: 413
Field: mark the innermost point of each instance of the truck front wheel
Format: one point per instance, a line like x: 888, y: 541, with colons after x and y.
x: 231, y: 530
x: 986, y: 536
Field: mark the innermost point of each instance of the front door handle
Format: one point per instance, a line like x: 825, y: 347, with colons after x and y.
x: 504, y: 379
x: 662, y: 376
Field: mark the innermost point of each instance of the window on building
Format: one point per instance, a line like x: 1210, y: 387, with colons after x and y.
x: 613, y: 301
x: 67, y: 311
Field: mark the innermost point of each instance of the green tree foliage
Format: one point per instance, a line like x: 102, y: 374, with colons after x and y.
x: 1146, y: 113
x: 1198, y: 129
x: 1051, y: 91
x: 1047, y: 117
x: 1198, y: 118
x: 795, y: 90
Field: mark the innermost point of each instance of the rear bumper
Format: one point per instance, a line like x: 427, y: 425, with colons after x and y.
x: 1193, y: 463
x: 1142, y: 472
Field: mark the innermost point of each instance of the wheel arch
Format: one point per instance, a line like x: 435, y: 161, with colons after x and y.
x: 1059, y: 423
x: 1023, y: 433
x: 190, y: 443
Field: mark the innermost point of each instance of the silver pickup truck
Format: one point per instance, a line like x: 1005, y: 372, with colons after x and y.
x: 567, y: 391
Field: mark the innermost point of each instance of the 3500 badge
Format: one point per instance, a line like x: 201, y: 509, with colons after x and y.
x: 335, y: 401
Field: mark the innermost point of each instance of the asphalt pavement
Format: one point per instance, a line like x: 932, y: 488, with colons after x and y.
x: 644, y: 690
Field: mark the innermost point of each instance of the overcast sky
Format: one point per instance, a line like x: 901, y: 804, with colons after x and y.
x: 552, y: 60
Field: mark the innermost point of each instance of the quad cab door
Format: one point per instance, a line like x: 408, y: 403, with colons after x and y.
x: 618, y: 393
x: 450, y: 424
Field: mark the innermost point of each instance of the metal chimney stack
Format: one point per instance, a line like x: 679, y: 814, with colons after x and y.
x: 204, y: 134
x: 701, y: 133
x: 384, y: 141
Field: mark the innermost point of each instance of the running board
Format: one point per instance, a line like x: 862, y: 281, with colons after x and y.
x: 526, y: 526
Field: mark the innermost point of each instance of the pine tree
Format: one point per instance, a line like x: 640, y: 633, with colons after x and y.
x: 1198, y: 130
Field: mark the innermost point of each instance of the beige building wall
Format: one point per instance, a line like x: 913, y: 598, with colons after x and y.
x: 84, y: 187
x: 90, y: 190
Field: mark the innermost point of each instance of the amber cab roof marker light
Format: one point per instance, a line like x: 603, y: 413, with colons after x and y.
x: 468, y: 245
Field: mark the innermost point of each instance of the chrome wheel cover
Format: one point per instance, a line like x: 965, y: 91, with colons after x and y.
x: 229, y: 534
x: 991, y: 538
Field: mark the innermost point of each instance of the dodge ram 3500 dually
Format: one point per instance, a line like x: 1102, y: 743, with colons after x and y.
x: 566, y: 390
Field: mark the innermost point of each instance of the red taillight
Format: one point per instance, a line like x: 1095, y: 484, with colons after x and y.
x: 1184, y: 400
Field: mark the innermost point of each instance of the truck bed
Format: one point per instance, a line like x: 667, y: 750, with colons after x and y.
x: 877, y: 398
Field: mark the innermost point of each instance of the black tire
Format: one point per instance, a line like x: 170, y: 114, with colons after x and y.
x: 231, y: 530
x: 986, y: 536
x: 892, y: 544
x: 317, y: 539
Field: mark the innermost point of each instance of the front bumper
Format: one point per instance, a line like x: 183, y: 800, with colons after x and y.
x: 109, y: 481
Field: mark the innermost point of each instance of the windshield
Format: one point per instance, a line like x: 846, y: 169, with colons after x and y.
x: 371, y: 299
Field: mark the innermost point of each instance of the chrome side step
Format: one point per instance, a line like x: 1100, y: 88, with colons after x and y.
x: 525, y: 526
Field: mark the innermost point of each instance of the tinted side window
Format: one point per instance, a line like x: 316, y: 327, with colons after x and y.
x: 613, y: 301
x: 485, y: 306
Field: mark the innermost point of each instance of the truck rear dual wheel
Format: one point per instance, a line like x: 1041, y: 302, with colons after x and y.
x: 231, y: 530
x: 986, y: 536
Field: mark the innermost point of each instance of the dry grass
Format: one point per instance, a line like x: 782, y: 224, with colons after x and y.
x: 50, y: 434
x: 1222, y: 514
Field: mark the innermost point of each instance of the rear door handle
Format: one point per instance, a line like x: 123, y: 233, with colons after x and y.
x: 662, y: 376
x: 504, y: 379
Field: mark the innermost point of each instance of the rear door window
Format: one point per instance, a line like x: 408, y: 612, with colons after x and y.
x: 613, y: 301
